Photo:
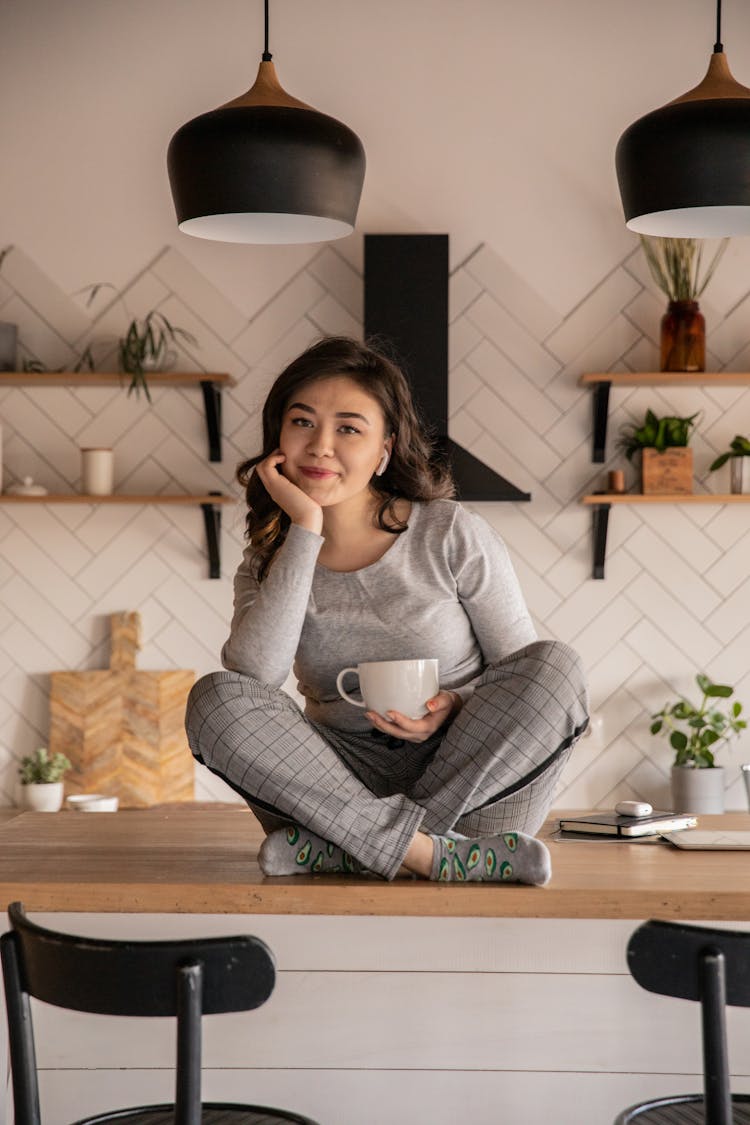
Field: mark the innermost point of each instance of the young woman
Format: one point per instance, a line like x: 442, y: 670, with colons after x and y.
x: 357, y: 553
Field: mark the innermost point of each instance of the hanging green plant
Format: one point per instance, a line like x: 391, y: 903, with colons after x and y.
x: 146, y: 347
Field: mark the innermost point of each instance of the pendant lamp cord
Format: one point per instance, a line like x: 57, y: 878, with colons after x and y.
x: 718, y: 45
x: 267, y: 56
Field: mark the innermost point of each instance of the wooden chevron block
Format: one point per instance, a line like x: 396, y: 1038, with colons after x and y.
x: 123, y: 729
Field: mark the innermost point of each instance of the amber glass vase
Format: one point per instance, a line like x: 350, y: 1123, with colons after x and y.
x: 683, y: 337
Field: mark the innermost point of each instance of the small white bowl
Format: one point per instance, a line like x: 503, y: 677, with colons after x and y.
x: 92, y: 802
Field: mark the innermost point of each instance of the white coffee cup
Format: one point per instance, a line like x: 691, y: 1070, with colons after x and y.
x: 394, y: 685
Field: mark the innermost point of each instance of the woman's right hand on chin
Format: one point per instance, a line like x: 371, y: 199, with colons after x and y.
x: 300, y: 507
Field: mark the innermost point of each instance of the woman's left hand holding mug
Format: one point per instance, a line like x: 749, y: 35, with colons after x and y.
x: 442, y: 707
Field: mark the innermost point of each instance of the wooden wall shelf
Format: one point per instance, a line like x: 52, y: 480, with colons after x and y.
x: 601, y: 502
x: 666, y: 498
x: 119, y: 498
x: 210, y: 383
x: 210, y: 504
x: 600, y: 383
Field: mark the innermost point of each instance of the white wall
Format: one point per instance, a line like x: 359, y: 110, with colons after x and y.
x: 495, y: 122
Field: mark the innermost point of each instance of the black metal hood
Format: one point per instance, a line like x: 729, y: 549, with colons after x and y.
x: 406, y: 305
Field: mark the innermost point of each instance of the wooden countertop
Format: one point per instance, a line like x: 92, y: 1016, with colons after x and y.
x: 203, y: 860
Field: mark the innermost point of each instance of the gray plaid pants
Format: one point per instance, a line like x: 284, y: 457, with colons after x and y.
x: 492, y: 769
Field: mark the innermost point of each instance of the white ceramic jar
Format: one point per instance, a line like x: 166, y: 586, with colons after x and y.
x: 97, y: 472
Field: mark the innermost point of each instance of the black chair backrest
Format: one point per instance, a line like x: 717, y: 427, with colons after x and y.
x: 186, y: 979
x: 137, y: 978
x: 665, y: 957
x: 704, y: 964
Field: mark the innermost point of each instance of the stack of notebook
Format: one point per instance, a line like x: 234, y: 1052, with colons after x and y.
x: 613, y: 824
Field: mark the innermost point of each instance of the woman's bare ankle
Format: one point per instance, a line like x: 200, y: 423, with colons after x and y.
x: 418, y: 858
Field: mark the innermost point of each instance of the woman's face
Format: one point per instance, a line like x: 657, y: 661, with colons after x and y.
x: 333, y: 436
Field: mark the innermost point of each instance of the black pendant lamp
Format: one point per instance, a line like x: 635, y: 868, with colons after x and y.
x: 684, y: 170
x: 266, y: 167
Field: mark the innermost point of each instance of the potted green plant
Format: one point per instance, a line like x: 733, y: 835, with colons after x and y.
x: 695, y: 733
x: 676, y: 267
x: 146, y: 347
x: 666, y: 459
x: 41, y: 777
x: 739, y: 448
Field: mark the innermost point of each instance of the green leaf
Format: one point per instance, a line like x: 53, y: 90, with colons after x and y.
x: 678, y: 740
x: 656, y: 727
x: 722, y: 690
x: 703, y: 682
x: 722, y: 460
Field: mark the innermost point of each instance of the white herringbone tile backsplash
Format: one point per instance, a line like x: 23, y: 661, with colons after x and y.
x: 676, y: 598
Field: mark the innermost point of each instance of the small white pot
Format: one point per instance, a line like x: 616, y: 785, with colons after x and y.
x: 698, y: 790
x: 739, y: 476
x: 43, y: 797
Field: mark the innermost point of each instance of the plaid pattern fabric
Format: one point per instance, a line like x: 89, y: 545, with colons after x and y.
x: 494, y: 768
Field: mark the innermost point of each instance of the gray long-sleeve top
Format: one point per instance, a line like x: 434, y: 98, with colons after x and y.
x: 445, y: 589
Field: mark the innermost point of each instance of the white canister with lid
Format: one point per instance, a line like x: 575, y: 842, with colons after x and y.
x: 97, y: 471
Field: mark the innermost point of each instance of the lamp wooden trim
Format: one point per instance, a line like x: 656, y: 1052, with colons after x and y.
x: 267, y: 90
x: 719, y: 82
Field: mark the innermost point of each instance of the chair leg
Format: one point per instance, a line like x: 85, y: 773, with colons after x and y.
x: 22, y: 1053
x: 715, y: 1058
x: 188, y: 1077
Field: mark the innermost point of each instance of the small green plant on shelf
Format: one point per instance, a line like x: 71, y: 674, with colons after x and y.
x: 146, y: 347
x: 676, y: 265
x: 85, y: 362
x: 738, y: 447
x: 42, y: 768
x: 694, y: 732
x: 656, y: 433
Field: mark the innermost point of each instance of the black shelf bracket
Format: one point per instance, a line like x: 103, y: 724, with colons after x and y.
x: 600, y: 521
x: 212, y: 408
x: 212, y: 521
x: 601, y: 409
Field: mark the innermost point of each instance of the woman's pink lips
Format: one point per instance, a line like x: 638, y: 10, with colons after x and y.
x: 316, y: 474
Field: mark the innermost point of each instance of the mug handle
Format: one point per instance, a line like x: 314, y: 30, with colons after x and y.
x: 340, y: 690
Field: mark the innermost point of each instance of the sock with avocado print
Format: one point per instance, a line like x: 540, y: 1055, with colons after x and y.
x: 297, y: 851
x: 511, y: 857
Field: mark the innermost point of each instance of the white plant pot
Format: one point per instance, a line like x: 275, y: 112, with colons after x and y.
x: 739, y: 475
x: 698, y: 790
x: 43, y: 797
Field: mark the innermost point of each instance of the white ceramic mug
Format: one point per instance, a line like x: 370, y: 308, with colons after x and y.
x: 394, y: 685
x: 97, y: 472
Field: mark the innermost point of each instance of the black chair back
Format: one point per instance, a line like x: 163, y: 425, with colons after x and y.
x: 186, y: 979
x: 665, y: 957
x: 705, y: 964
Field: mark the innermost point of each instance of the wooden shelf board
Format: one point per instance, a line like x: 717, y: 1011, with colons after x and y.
x: 106, y: 379
x: 666, y: 498
x: 666, y: 378
x: 118, y: 498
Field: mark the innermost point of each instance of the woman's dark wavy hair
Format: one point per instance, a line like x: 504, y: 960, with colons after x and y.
x: 414, y: 471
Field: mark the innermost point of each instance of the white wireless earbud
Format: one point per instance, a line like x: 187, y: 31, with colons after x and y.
x: 383, y: 464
